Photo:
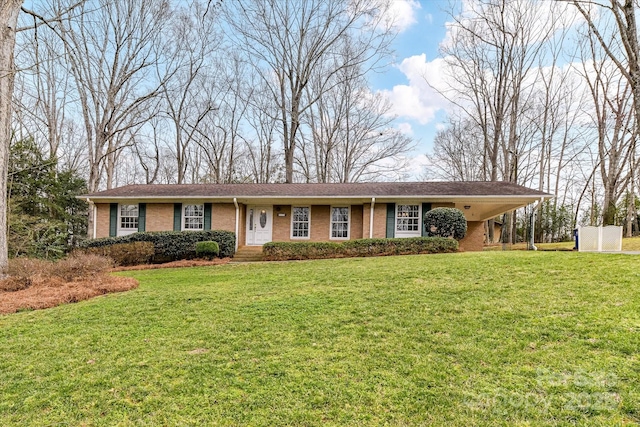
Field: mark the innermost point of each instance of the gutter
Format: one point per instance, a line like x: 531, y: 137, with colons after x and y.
x: 458, y: 198
x: 235, y: 202
x: 373, y: 204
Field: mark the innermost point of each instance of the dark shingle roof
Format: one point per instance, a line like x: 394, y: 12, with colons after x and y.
x: 377, y: 189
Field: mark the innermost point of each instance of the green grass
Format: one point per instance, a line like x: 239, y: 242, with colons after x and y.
x: 628, y: 244
x: 513, y: 338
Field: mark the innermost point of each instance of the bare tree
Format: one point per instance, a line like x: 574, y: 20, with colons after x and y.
x: 112, y: 48
x: 287, y: 40
x: 186, y: 96
x: 613, y: 117
x: 492, y: 54
x: 457, y: 152
x: 263, y: 157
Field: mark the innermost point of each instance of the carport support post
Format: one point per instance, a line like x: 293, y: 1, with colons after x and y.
x: 532, y: 225
x: 532, y: 243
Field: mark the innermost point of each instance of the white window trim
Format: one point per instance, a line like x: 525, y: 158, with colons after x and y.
x: 124, y: 231
x: 402, y: 234
x: 291, y: 223
x: 348, y: 222
x: 184, y: 217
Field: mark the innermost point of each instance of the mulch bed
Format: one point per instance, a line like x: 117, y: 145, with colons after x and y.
x: 53, y: 292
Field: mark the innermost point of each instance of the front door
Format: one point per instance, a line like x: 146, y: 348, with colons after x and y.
x: 259, y: 224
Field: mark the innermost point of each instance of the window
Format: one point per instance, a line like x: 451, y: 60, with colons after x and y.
x: 300, y: 221
x: 193, y: 217
x: 129, y: 217
x: 340, y: 222
x: 408, y: 220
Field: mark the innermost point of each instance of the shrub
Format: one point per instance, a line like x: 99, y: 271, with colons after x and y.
x: 80, y: 266
x: 24, y: 272
x: 173, y: 245
x: 445, y: 222
x: 134, y: 253
x: 208, y: 249
x: 279, y: 251
x: 413, y: 245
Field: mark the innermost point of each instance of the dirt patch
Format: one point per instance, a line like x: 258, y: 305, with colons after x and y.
x: 54, y: 291
x: 175, y: 264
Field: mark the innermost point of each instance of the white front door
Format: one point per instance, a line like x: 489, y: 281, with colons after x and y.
x: 259, y: 224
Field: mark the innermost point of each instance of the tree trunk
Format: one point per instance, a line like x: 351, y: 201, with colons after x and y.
x: 9, y: 10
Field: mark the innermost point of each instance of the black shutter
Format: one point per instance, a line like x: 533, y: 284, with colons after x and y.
x: 142, y: 216
x: 207, y: 216
x: 391, y: 220
x: 177, y: 216
x: 426, y: 207
x: 113, y: 220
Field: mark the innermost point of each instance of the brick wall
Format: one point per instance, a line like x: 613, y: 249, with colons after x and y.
x: 355, y: 231
x: 159, y: 217
x: 282, y: 224
x: 102, y: 226
x: 223, y: 217
x: 474, y: 239
x: 380, y: 221
x: 320, y: 223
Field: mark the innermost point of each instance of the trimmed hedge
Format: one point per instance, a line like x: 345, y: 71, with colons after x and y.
x: 281, y: 251
x: 172, y: 245
x: 445, y: 222
x: 208, y: 249
x: 134, y: 253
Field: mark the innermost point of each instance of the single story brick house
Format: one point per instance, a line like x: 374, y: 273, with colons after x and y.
x: 261, y: 213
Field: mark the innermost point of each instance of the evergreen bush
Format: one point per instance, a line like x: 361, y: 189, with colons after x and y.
x: 445, y: 222
x: 208, y: 249
x: 280, y: 251
x: 172, y: 245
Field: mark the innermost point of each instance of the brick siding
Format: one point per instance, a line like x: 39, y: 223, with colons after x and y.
x: 159, y: 217
x: 102, y: 226
x: 474, y: 239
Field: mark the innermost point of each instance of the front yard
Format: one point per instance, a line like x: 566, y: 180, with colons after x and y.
x: 502, y: 338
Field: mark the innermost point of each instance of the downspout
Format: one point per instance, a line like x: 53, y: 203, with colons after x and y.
x: 373, y: 204
x: 235, y: 202
x: 94, y: 210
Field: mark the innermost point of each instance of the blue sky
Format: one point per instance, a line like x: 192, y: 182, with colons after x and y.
x: 418, y: 107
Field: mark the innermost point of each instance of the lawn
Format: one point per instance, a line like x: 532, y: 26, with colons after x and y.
x: 494, y: 338
x: 628, y: 244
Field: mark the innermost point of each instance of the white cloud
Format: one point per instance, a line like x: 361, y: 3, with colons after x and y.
x: 542, y: 19
x: 417, y: 165
x: 401, y: 14
x: 405, y: 128
x: 419, y: 100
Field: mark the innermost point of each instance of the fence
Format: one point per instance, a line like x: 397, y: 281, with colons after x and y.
x: 600, y: 239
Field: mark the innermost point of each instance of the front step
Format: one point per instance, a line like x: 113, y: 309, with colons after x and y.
x: 248, y: 254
